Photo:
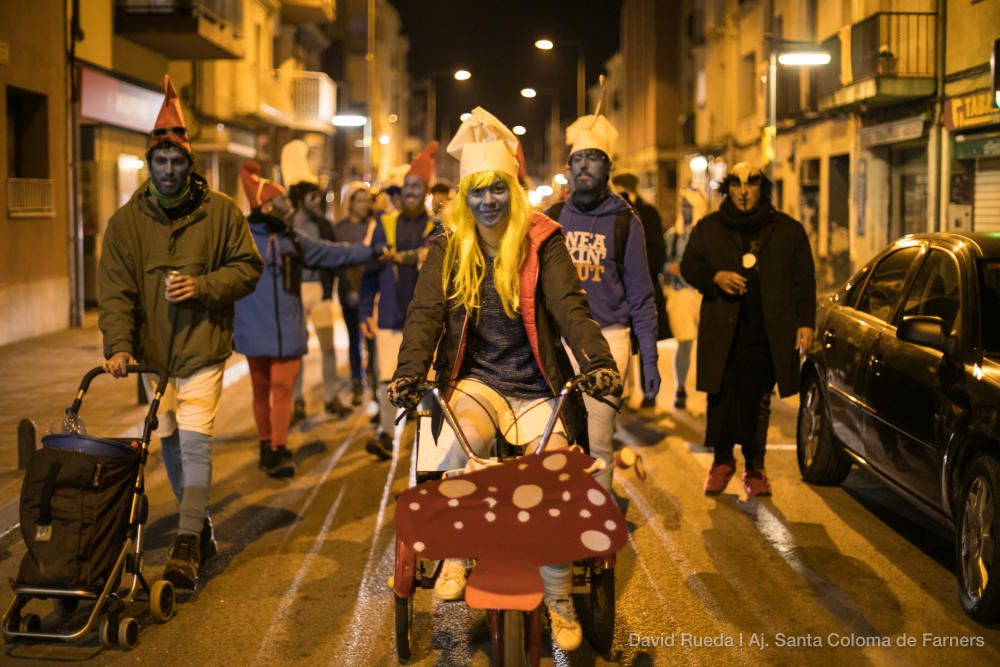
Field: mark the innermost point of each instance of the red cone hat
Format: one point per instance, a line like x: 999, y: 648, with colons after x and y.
x: 423, y: 165
x: 170, y: 125
x: 259, y: 190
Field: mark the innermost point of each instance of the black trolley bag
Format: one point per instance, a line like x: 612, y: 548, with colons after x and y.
x: 82, y: 510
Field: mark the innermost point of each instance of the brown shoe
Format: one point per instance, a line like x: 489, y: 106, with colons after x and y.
x: 756, y: 483
x: 718, y: 478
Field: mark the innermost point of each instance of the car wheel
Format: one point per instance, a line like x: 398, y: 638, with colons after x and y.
x: 976, y: 551
x: 820, y: 461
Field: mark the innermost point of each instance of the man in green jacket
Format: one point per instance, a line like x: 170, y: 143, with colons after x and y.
x: 175, y: 259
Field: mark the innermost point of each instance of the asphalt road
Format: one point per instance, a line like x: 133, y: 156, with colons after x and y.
x: 812, y: 576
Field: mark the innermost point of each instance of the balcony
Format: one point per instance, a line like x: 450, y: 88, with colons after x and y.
x: 300, y: 12
x: 891, y: 58
x: 183, y: 29
x: 30, y: 198
x: 314, y: 101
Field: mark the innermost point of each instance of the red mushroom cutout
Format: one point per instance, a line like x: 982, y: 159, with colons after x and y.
x: 513, y: 518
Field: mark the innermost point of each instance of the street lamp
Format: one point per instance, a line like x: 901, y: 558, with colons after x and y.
x: 791, y: 54
x: 519, y: 130
x: 458, y: 75
x: 462, y: 75
x: 528, y: 92
x: 349, y: 120
x: 545, y: 44
x: 554, y: 142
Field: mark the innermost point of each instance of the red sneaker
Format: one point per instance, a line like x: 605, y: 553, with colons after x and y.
x: 756, y: 483
x: 718, y: 478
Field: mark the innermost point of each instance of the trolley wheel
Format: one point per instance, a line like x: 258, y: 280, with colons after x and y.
x: 31, y: 623
x: 513, y: 639
x: 107, y: 634
x: 128, y: 633
x: 602, y: 610
x: 65, y: 606
x: 161, y: 601
x: 404, y: 627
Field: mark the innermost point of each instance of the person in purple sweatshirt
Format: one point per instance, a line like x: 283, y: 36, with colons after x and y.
x: 607, y: 244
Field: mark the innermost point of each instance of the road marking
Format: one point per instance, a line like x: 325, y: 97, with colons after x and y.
x: 373, y: 596
x: 290, y: 596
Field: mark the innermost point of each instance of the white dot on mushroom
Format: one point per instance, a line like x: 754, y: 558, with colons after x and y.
x: 554, y: 462
x: 456, y: 488
x: 418, y: 546
x: 585, y: 514
x: 459, y: 525
x: 492, y: 489
x: 596, y: 497
x: 610, y: 525
x: 522, y: 466
x: 554, y: 512
x: 527, y: 496
x: 595, y: 540
x: 566, y: 496
x: 453, y: 503
x: 491, y: 517
x: 423, y: 492
x: 490, y: 501
x: 523, y: 516
x: 563, y: 477
x: 414, y: 506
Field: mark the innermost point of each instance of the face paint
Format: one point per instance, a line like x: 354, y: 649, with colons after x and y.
x: 745, y: 192
x: 414, y: 191
x: 490, y: 205
x: 169, y: 168
x: 589, y: 170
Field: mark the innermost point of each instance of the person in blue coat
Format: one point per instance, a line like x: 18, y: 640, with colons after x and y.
x: 270, y: 325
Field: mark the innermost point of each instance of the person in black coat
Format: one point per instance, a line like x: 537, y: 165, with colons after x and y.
x: 754, y: 268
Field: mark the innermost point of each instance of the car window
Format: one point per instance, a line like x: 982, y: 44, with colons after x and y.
x: 848, y: 293
x: 989, y: 296
x: 886, y: 283
x: 935, y: 290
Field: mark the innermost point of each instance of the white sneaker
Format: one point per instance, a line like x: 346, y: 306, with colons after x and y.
x: 450, y: 584
x: 566, y: 630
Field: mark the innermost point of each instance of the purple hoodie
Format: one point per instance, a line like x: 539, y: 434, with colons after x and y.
x: 614, y: 299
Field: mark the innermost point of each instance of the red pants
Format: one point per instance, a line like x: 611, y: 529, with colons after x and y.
x: 273, y: 380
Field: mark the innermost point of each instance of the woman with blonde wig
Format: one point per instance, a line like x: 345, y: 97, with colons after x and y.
x: 496, y: 295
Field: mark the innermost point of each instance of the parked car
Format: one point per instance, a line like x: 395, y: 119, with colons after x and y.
x: 903, y: 379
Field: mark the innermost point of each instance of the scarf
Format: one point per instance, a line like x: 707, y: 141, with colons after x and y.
x: 171, y: 201
x: 746, y: 223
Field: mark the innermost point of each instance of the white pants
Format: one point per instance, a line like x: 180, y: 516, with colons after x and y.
x: 190, y: 403
x: 601, y: 416
x: 320, y: 313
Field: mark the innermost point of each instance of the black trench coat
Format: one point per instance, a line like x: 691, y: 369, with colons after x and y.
x: 788, y: 292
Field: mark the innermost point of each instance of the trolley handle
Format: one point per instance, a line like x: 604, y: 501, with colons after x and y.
x: 149, y: 423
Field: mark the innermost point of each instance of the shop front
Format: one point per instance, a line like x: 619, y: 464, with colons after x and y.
x: 974, y: 188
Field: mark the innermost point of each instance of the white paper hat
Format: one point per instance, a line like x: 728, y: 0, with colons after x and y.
x: 295, y: 167
x: 593, y: 130
x: 483, y: 143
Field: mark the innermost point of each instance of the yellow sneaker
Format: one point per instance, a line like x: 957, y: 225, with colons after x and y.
x: 450, y: 584
x: 566, y: 630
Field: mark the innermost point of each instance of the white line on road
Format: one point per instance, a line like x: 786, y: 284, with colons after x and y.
x: 290, y: 596
x: 373, y: 596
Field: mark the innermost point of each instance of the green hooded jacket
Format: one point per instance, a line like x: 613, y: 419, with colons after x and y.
x: 141, y: 246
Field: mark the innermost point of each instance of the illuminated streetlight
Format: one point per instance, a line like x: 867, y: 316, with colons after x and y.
x: 698, y: 164
x: 393, y: 118
x: 804, y: 58
x: 528, y: 92
x: 349, y: 120
x: 463, y: 75
x: 560, y: 179
x: 544, y: 190
x: 518, y: 130
x: 465, y: 116
x: 544, y: 44
x: 384, y: 139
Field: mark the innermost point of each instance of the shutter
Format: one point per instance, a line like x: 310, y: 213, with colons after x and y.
x: 986, y: 209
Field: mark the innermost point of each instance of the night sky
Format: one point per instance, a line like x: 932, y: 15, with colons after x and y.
x: 495, y: 41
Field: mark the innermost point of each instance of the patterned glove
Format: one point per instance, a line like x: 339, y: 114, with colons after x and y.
x: 602, y: 382
x: 404, y: 393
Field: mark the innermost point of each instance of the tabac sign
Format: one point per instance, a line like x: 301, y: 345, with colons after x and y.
x: 970, y: 110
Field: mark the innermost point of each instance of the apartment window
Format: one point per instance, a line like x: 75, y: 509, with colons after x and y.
x: 748, y: 84
x: 27, y: 134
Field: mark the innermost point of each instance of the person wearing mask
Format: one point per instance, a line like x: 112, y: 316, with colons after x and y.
x: 606, y: 241
x: 175, y: 258
x: 684, y: 301
x: 309, y: 222
x: 356, y: 226
x: 496, y: 290
x: 270, y: 322
x: 626, y: 184
x: 754, y: 268
x: 405, y: 234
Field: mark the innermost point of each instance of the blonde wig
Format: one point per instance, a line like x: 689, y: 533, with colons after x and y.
x: 464, y: 262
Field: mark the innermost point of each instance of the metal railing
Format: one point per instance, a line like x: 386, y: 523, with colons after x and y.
x: 314, y: 99
x: 893, y: 44
x: 30, y: 198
